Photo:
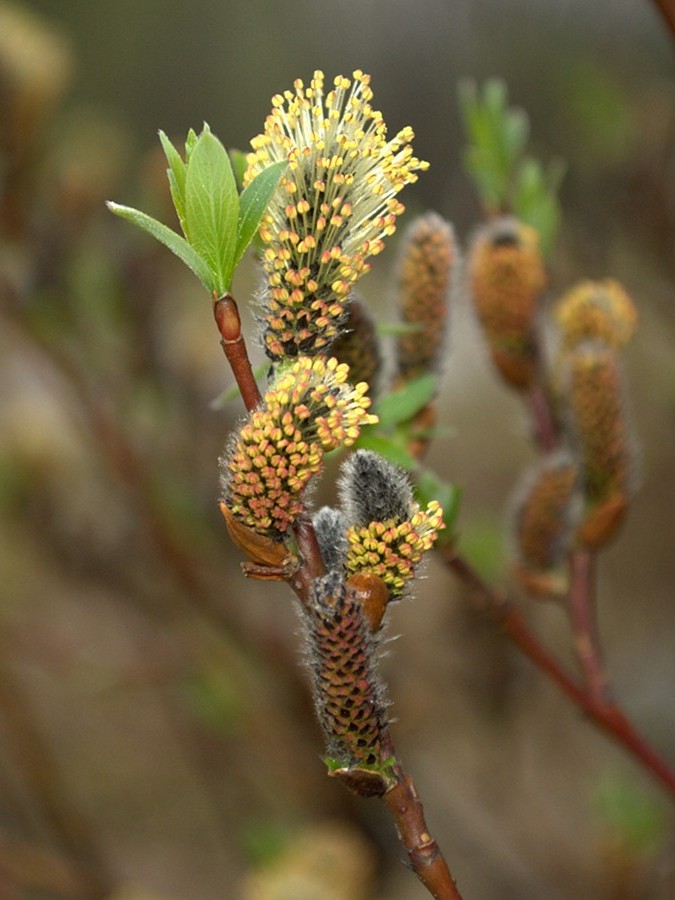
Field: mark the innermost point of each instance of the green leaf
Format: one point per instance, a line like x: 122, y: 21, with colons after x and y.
x: 535, y: 199
x: 239, y: 166
x: 253, y: 203
x: 402, y: 404
x: 170, y: 239
x: 212, y: 207
x: 176, y: 174
x: 190, y: 142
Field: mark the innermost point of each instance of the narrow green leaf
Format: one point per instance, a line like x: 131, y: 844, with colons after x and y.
x: 176, y: 174
x: 253, y: 203
x: 212, y: 207
x: 190, y: 142
x: 170, y: 239
x: 239, y: 166
x: 402, y: 404
x: 516, y: 132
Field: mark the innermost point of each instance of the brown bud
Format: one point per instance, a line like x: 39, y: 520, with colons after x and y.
x: 373, y: 595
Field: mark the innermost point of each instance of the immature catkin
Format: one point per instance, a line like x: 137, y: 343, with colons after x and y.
x: 341, y: 656
x: 596, y: 310
x: 330, y: 527
x: 546, y: 511
x: 428, y: 260
x: 506, y: 276
x: 358, y: 346
x: 602, y: 432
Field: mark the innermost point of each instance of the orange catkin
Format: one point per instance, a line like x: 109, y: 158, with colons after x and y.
x: 603, y: 436
x: 428, y: 260
x: 506, y: 275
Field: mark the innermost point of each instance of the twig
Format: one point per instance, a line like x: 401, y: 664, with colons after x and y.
x: 582, y: 613
x: 542, y: 418
x: 607, y: 716
x: 401, y: 799
x: 41, y: 773
x: 232, y: 340
x: 424, y: 854
x: 667, y: 10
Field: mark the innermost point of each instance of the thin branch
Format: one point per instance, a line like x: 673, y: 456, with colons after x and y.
x: 228, y: 321
x: 401, y: 799
x: 40, y: 772
x: 583, y: 619
x: 667, y: 10
x: 424, y: 854
x: 607, y: 716
x: 542, y: 418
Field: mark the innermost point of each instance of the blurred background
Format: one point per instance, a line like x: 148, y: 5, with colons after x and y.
x: 156, y: 739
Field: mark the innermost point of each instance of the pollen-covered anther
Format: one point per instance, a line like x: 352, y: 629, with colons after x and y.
x: 337, y: 199
x: 310, y: 409
x: 392, y: 550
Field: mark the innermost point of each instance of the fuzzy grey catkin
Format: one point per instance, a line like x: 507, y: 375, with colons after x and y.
x: 373, y: 490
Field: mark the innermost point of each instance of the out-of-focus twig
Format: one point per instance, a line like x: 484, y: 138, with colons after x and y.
x: 667, y: 10
x: 603, y: 713
x: 401, y: 798
x: 39, y: 769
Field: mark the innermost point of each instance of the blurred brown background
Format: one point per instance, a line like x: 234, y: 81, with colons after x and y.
x: 154, y: 725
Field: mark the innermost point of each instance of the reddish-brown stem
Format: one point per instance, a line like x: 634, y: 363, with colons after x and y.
x: 544, y: 426
x: 608, y: 717
x: 41, y: 773
x: 424, y: 854
x: 582, y: 613
x: 232, y: 340
x: 401, y: 800
x: 667, y: 10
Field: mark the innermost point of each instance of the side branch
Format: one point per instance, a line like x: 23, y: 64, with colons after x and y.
x: 582, y: 612
x: 229, y: 325
x: 424, y: 854
x: 607, y: 716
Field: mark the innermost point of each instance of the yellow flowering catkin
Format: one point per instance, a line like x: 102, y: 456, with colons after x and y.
x: 309, y: 410
x: 335, y: 205
x: 506, y: 278
x: 596, y: 310
x: 388, y: 533
x: 428, y: 258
